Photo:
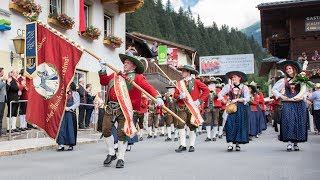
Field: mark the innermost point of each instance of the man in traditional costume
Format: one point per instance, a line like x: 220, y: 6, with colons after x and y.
x: 190, y: 94
x: 133, y: 69
x: 170, y: 102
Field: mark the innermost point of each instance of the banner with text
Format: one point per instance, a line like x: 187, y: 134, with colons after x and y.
x: 220, y: 65
x: 56, y: 63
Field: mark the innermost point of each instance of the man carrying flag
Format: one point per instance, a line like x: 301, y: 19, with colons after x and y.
x: 116, y: 111
x: 190, y: 94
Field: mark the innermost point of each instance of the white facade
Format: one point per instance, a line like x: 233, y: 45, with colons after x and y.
x: 88, y: 64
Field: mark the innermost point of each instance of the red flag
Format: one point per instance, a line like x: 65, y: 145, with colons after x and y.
x: 57, y: 60
x: 82, y: 23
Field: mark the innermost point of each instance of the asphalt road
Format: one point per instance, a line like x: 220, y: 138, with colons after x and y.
x: 154, y: 159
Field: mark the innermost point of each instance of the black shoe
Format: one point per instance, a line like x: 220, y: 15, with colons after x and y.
x: 214, y: 139
x: 154, y: 136
x: 176, y: 139
x: 120, y: 163
x: 161, y: 135
x: 172, y: 132
x: 296, y: 148
x: 116, y: 149
x: 101, y: 136
x: 207, y: 139
x: 180, y: 149
x: 22, y: 129
x: 187, y: 136
x: 16, y: 130
x: 109, y: 159
x: 238, y: 148
x: 220, y: 136
x: 191, y: 149
x: 149, y: 137
x: 230, y: 148
x: 141, y: 139
x: 168, y: 139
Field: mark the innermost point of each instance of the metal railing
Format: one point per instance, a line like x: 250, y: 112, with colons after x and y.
x: 20, y: 101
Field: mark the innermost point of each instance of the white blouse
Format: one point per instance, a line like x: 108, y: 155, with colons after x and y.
x: 225, y: 90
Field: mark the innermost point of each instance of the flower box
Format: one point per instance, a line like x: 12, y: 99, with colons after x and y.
x: 56, y: 23
x: 109, y: 43
x: 112, y: 41
x: 28, y: 8
x: 92, y: 33
x: 17, y: 8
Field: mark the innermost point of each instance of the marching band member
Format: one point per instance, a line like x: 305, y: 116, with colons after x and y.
x: 199, y: 92
x: 133, y: 70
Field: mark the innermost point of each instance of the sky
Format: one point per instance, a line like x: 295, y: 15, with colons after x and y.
x: 234, y: 13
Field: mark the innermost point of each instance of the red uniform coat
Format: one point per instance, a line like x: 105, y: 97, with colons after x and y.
x: 217, y: 103
x: 144, y: 105
x: 254, y: 103
x: 134, y: 93
x: 195, y: 93
x: 261, y: 101
x: 24, y: 92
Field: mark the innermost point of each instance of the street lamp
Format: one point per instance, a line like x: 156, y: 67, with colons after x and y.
x: 18, y: 43
x: 19, y: 46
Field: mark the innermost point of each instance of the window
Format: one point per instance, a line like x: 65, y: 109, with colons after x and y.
x: 86, y: 14
x: 103, y: 91
x: 55, y: 6
x: 79, y: 74
x: 107, y: 24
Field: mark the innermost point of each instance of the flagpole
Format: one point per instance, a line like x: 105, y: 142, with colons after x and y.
x: 136, y: 86
x: 153, y: 61
x: 111, y: 67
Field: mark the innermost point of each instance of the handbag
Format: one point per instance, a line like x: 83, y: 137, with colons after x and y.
x: 231, y: 108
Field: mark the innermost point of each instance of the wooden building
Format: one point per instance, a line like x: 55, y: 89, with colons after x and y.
x: 154, y: 76
x: 290, y: 29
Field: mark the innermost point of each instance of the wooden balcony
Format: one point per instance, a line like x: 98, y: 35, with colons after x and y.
x: 125, y: 6
x: 155, y: 77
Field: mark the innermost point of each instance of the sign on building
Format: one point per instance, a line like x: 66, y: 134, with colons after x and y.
x: 312, y: 23
x: 172, y: 57
x: 220, y: 65
x: 162, y: 55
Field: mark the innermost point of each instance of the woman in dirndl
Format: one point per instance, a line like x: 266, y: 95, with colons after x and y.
x: 293, y: 125
x: 254, y: 116
x: 68, y: 128
x: 237, y: 122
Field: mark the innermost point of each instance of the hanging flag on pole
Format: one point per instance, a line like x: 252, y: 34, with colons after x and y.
x: 82, y: 22
x: 55, y: 60
x: 162, y: 55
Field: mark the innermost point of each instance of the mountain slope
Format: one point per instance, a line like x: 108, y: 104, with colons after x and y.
x: 254, y: 30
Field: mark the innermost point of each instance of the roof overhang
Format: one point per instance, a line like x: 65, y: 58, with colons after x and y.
x: 125, y: 6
